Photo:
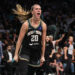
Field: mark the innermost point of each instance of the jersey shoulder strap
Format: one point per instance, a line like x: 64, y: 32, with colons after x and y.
x: 29, y: 25
x: 74, y: 45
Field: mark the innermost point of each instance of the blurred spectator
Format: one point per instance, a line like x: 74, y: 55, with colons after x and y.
x: 1, y: 54
x: 8, y: 58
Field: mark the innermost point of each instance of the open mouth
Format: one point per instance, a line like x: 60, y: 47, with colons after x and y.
x: 38, y: 13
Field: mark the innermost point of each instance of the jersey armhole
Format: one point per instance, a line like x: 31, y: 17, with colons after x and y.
x: 41, y: 24
x: 29, y: 25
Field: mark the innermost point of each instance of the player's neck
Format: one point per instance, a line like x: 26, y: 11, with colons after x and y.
x: 70, y: 43
x: 36, y: 21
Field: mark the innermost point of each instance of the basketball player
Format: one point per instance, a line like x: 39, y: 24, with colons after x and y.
x: 56, y: 41
x: 68, y: 54
x: 33, y: 31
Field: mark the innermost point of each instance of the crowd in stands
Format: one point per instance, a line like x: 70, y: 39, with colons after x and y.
x: 59, y: 16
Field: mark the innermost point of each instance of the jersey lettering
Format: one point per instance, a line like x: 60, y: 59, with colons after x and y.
x: 34, y: 38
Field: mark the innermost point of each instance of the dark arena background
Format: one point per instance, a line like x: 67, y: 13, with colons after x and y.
x: 59, y: 15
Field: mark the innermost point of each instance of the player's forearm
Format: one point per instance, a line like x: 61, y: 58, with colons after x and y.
x: 60, y: 38
x: 55, y: 61
x: 43, y: 50
x: 53, y: 51
x: 18, y: 47
x: 43, y: 40
x: 65, y: 52
x: 73, y: 55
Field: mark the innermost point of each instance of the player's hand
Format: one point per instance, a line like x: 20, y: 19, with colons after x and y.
x: 9, y: 61
x: 50, y: 56
x: 2, y: 57
x: 16, y: 58
x: 63, y: 35
x: 73, y: 58
x: 66, y: 57
x: 42, y: 60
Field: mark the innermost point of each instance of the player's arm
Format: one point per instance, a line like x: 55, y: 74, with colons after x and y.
x: 53, y: 51
x: 60, y: 38
x: 23, y: 31
x: 73, y: 54
x: 43, y: 41
x: 65, y: 53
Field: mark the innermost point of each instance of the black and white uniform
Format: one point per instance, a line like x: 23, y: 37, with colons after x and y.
x: 31, y: 50
x: 70, y: 47
x: 48, y: 50
x: 32, y: 46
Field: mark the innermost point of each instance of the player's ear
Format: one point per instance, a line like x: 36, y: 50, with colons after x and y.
x: 32, y: 12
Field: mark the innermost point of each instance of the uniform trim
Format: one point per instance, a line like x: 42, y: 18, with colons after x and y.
x: 34, y: 65
x: 21, y: 58
x: 32, y: 26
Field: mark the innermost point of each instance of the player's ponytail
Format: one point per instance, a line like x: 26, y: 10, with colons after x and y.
x: 22, y: 14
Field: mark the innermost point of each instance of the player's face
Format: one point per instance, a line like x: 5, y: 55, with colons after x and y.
x: 9, y: 48
x: 36, y: 12
x: 51, y: 39
x: 70, y: 39
x: 47, y: 38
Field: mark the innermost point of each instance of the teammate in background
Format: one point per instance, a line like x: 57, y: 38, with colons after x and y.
x: 49, y: 51
x: 56, y: 41
x: 68, y: 55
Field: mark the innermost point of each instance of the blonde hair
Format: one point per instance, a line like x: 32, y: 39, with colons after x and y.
x: 50, y: 36
x: 33, y: 6
x: 22, y: 14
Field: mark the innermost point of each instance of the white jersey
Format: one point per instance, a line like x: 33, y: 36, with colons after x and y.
x: 70, y: 49
x: 10, y: 55
x: 54, y: 42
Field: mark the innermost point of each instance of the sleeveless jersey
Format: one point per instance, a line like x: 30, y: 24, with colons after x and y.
x: 34, y: 36
x: 32, y: 42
